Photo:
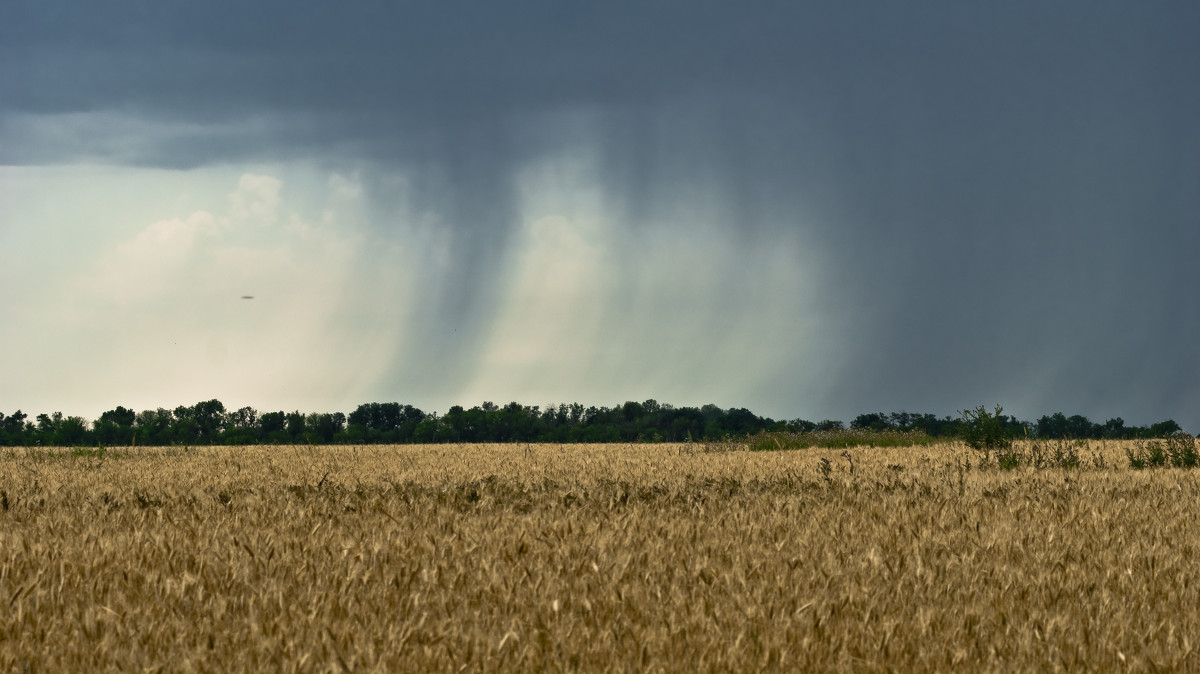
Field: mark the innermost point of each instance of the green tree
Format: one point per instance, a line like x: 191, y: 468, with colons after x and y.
x: 273, y: 426
x: 876, y: 421
x: 323, y: 427
x: 427, y: 431
x: 295, y: 426
x: 241, y: 427
x: 184, y: 429
x: 1164, y: 429
x: 1052, y: 426
x: 72, y: 432
x: 800, y: 426
x: 115, y: 427
x: 46, y: 430
x: 1114, y: 428
x: 154, y: 427
x: 210, y: 420
x: 12, y: 428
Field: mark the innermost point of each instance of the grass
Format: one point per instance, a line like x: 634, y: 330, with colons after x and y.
x: 627, y: 558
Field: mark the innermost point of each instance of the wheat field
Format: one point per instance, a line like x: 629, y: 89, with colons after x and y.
x: 592, y: 558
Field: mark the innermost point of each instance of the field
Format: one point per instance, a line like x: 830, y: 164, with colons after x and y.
x: 595, y: 558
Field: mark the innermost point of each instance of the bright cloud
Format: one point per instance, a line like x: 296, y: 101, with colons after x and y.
x: 256, y: 199
x: 148, y: 265
x: 162, y: 319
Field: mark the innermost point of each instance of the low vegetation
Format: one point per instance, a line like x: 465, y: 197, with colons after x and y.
x: 684, y: 557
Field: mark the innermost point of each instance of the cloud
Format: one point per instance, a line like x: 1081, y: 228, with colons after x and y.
x: 161, y: 317
x: 171, y: 253
x: 926, y: 205
x: 256, y: 199
x: 148, y: 266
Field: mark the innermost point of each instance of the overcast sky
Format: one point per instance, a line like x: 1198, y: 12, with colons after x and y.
x: 810, y: 209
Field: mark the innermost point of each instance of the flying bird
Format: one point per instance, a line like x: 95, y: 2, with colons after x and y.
x: 247, y: 297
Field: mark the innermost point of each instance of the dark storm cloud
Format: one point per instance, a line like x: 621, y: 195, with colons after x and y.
x: 1006, y: 195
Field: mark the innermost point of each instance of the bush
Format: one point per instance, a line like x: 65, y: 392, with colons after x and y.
x: 985, y: 430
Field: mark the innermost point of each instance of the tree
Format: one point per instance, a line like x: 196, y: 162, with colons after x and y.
x: 1114, y: 428
x: 241, y: 427
x: 12, y: 428
x: 800, y: 426
x: 1164, y: 429
x: 459, y: 421
x: 1079, y: 426
x: 323, y: 427
x: 154, y: 427
x: 115, y: 427
x: 353, y: 435
x: 386, y: 422
x: 515, y: 423
x: 245, y: 417
x: 741, y: 421
x: 72, y: 432
x: 210, y: 420
x: 1052, y: 426
x: 632, y: 411
x: 46, y: 430
x: 185, y: 429
x: 426, y: 432
x: 295, y: 426
x: 876, y: 421
x: 274, y: 427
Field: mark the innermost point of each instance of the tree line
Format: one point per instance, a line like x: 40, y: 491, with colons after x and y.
x: 1054, y: 426
x: 209, y: 422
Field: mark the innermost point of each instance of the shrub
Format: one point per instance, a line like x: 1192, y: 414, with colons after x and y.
x: 985, y: 430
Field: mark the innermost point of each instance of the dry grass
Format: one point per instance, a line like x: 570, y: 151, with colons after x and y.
x: 513, y: 557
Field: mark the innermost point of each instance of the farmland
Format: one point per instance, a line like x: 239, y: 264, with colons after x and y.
x: 655, y: 557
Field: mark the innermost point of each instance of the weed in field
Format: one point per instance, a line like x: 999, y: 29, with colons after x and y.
x: 1065, y: 454
x: 1177, y: 451
x: 1181, y: 448
x: 1038, y: 454
x: 1008, y: 458
x: 850, y: 458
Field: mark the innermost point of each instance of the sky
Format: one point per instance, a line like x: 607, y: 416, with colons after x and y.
x: 809, y: 209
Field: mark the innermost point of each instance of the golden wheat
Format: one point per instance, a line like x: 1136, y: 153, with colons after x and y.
x: 594, y: 557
